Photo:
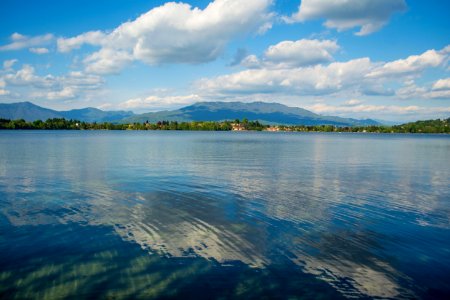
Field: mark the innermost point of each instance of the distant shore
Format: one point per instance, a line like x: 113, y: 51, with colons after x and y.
x: 429, y: 126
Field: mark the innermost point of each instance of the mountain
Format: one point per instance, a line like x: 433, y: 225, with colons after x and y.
x: 27, y: 111
x: 91, y: 114
x: 31, y: 112
x: 268, y: 113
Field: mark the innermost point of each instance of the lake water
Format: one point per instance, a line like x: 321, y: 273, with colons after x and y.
x: 103, y: 214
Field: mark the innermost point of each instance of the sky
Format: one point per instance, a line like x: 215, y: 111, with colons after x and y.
x: 380, y: 59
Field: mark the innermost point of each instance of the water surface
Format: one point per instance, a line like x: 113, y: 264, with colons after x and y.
x: 223, y: 214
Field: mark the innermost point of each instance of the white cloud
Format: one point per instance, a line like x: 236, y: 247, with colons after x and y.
x: 351, y: 78
x: 290, y: 54
x: 92, y: 38
x: 39, y: 50
x: 69, y: 86
x: 412, y: 64
x: 439, y: 90
x: 8, y: 64
x: 173, y: 33
x: 314, y: 80
x: 159, y: 101
x: 369, y: 15
x: 107, y: 61
x: 378, y: 110
x: 411, y: 90
x: 65, y: 93
x: 352, y: 102
x: 440, y: 94
x: 27, y: 77
x: 17, y: 36
x: 20, y: 41
x: 251, y: 62
x: 442, y: 84
x: 81, y: 80
x: 301, y: 53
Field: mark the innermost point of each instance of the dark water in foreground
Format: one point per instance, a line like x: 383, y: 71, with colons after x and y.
x: 234, y: 215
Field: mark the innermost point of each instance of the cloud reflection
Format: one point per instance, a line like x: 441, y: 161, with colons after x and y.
x: 340, y: 215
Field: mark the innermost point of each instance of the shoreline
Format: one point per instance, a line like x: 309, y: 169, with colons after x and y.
x: 237, y: 132
x: 439, y: 126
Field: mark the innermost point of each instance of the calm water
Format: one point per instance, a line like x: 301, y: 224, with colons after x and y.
x: 223, y: 215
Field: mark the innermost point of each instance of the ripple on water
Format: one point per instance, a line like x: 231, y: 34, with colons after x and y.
x: 365, y: 222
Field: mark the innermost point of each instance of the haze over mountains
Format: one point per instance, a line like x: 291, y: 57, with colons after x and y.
x: 268, y: 113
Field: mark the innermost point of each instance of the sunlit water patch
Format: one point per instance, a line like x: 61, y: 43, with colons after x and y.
x: 234, y: 215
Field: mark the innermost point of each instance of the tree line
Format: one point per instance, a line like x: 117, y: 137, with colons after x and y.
x: 428, y: 126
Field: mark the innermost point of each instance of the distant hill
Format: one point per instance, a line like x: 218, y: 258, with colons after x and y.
x: 268, y: 113
x: 27, y: 111
x: 91, y: 114
x: 31, y: 112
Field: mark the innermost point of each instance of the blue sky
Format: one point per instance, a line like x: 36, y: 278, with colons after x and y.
x: 385, y: 59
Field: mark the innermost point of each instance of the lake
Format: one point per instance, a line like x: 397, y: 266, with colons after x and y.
x: 160, y: 214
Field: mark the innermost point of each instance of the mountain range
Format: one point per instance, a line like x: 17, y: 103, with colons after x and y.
x: 267, y: 113
x: 31, y: 112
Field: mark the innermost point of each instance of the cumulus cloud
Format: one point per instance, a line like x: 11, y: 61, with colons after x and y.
x: 82, y: 80
x: 442, y: 84
x: 26, y: 76
x: 92, y: 38
x: 172, y: 33
x: 355, y: 77
x: 107, y: 61
x: 71, y: 85
x: 159, y: 101
x: 19, y: 41
x: 290, y: 54
x: 411, y: 90
x: 369, y: 15
x: 439, y: 90
x: 301, y: 53
x: 63, y: 94
x: 379, y: 110
x: 411, y: 65
x: 39, y: 50
x: 251, y: 62
x: 314, y: 80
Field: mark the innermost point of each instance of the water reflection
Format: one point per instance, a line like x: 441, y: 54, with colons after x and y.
x: 261, y: 206
x: 98, y: 264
